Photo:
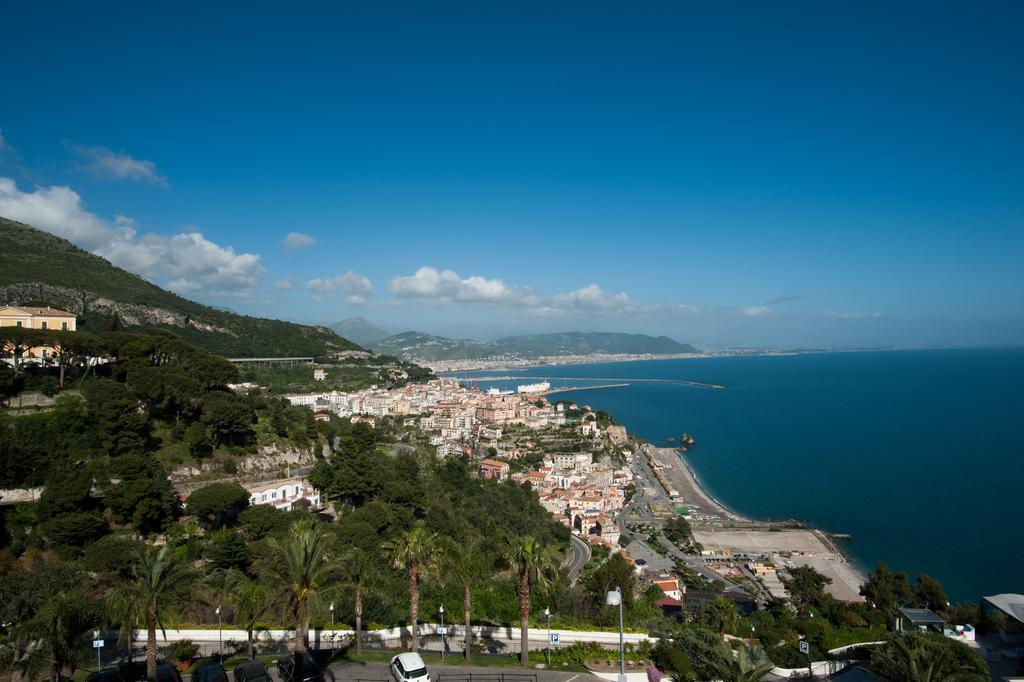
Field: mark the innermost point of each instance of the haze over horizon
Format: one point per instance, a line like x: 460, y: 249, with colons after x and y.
x: 763, y: 176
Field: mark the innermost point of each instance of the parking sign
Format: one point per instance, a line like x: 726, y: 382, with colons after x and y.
x: 805, y: 648
x: 554, y: 638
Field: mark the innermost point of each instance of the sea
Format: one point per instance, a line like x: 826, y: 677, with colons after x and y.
x: 917, y: 455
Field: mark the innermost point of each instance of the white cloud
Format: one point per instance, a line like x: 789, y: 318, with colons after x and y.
x: 356, y: 287
x: 446, y: 286
x: 755, y: 311
x: 833, y: 315
x: 194, y: 262
x: 297, y: 240
x: 111, y: 165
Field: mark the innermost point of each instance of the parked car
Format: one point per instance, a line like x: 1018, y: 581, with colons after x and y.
x: 105, y: 675
x: 409, y: 667
x: 252, y: 671
x: 311, y: 672
x: 210, y: 673
x: 136, y: 672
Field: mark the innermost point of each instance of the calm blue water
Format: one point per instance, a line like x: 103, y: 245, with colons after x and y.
x: 919, y: 455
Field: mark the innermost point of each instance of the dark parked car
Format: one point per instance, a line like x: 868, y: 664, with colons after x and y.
x: 105, y: 675
x: 310, y: 670
x: 210, y: 673
x: 251, y: 671
x: 136, y: 672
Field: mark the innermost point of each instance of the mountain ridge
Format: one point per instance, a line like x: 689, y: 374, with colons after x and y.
x: 429, y: 347
x: 359, y: 330
x: 37, y: 267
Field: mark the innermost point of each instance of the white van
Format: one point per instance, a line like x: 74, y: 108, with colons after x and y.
x: 409, y: 667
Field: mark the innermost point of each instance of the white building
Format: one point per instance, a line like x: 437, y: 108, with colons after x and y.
x: 283, y: 494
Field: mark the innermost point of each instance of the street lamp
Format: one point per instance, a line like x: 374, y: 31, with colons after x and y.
x: 99, y: 651
x: 440, y: 610
x: 331, y: 607
x: 547, y: 615
x: 614, y: 598
x: 220, y: 637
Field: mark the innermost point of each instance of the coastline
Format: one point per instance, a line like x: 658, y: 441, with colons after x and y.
x: 718, y: 527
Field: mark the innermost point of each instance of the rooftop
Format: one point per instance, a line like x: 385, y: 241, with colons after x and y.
x: 1009, y: 603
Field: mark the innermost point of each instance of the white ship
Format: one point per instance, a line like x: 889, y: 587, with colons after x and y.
x: 498, y: 391
x: 541, y: 387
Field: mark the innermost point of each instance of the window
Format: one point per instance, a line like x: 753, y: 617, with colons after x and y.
x: 19, y: 323
x: 64, y: 326
x: 42, y: 325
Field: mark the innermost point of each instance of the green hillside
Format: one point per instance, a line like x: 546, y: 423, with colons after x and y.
x: 38, y: 268
x: 584, y: 343
x: 427, y: 347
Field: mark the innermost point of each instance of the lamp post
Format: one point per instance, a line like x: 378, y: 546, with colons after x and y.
x: 331, y: 607
x: 547, y: 616
x: 99, y: 651
x: 440, y: 610
x: 614, y: 598
x: 220, y: 637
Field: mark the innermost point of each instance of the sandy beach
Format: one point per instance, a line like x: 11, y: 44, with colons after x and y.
x: 786, y: 547
x: 685, y: 482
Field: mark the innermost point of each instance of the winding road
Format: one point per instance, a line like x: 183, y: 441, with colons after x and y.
x: 580, y: 556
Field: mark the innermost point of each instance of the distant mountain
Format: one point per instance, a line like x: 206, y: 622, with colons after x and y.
x: 38, y: 268
x: 359, y: 330
x: 410, y: 345
x: 426, y: 347
x: 585, y: 343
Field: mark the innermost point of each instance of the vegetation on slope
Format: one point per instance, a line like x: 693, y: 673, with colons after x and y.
x: 416, y: 345
x: 38, y: 268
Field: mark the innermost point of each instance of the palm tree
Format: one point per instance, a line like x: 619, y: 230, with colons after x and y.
x: 910, y: 659
x: 534, y: 565
x: 742, y: 668
x: 251, y: 600
x: 58, y: 634
x: 159, y: 582
x: 301, y: 566
x: 357, y: 573
x: 723, y: 615
x: 464, y: 566
x: 417, y: 553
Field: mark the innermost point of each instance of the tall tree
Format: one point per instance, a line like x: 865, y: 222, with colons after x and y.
x: 251, y: 600
x: 464, y: 565
x: 416, y: 552
x: 535, y: 565
x: 58, y: 634
x: 358, y: 574
x: 806, y: 587
x: 301, y: 565
x: 722, y: 615
x: 159, y: 582
x: 928, y: 593
x: 885, y: 589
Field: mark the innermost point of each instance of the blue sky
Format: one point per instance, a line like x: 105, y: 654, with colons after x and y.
x: 783, y: 174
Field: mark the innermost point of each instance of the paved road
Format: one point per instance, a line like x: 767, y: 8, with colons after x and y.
x: 649, y: 490
x: 378, y: 672
x: 580, y: 557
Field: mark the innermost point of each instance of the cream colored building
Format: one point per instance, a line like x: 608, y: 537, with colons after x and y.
x: 50, y: 319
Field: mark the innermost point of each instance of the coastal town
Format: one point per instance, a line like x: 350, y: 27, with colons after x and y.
x: 602, y: 484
